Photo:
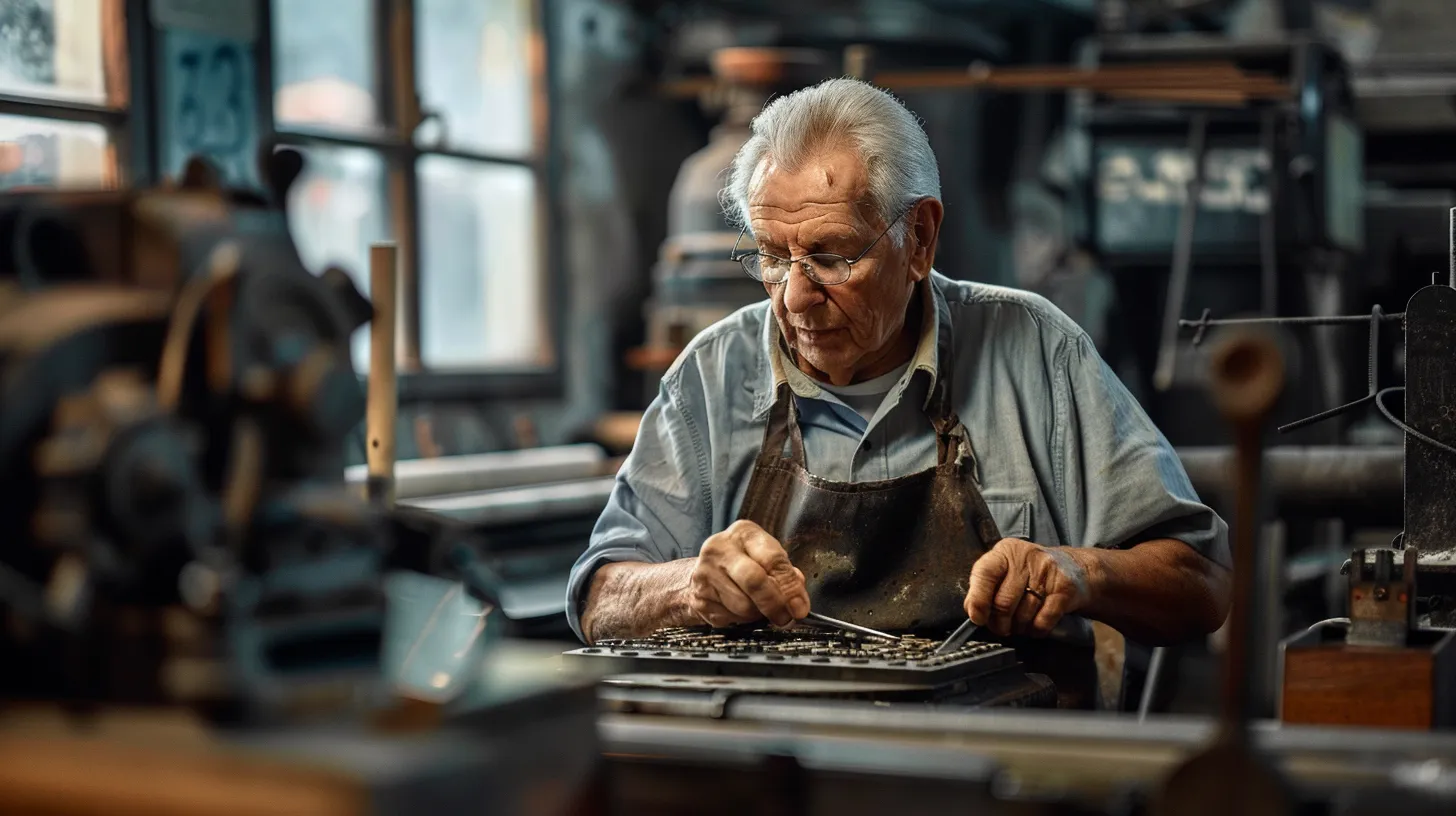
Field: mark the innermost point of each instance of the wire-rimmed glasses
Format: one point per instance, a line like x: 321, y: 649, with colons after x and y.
x: 824, y: 268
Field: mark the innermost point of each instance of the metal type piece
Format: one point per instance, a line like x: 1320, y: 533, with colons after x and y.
x: 846, y: 626
x: 1382, y: 598
x: 799, y: 654
x: 1247, y: 377
x: 958, y: 638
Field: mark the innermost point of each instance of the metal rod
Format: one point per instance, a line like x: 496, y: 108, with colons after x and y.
x: 1182, y: 257
x: 382, y: 411
x: 1328, y: 320
x: 849, y: 627
x: 1452, y: 248
x: 1150, y: 685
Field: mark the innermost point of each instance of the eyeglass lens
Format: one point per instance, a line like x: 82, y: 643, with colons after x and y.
x: 822, y: 269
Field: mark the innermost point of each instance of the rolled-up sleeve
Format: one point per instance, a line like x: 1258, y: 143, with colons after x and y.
x: 659, y: 507
x: 1122, y: 483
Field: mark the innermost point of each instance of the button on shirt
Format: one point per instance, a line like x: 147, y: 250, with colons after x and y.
x: 1063, y: 453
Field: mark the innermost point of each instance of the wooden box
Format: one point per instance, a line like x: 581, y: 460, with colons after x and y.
x: 1327, y: 682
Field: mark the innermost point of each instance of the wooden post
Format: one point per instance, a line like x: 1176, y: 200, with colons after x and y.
x: 382, y: 412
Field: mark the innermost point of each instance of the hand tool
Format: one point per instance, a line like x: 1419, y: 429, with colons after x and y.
x: 848, y: 627
x: 1246, y: 376
x: 959, y: 637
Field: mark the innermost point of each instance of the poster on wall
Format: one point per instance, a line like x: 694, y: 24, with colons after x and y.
x: 209, y: 86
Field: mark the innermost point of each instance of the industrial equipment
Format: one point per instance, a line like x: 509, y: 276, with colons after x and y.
x: 178, y: 537
x: 1338, y: 672
x: 1258, y: 206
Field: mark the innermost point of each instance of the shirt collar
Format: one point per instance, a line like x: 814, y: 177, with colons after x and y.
x: 934, y: 331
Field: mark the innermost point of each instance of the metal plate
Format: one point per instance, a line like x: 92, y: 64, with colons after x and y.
x: 799, y: 655
x: 758, y: 685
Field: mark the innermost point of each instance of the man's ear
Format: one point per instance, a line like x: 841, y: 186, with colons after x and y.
x: 925, y: 220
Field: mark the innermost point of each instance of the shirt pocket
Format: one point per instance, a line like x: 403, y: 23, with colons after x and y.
x: 1013, y: 517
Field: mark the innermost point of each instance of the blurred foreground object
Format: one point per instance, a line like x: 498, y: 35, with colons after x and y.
x: 177, y: 536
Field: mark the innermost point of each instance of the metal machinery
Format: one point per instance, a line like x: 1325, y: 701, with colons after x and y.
x: 1258, y: 205
x: 694, y: 283
x: 177, y: 537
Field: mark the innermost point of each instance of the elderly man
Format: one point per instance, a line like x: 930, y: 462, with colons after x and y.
x: 882, y: 444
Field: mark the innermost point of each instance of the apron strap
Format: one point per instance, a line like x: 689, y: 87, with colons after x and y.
x: 783, y: 427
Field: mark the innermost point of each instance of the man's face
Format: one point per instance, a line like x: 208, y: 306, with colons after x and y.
x: 850, y: 331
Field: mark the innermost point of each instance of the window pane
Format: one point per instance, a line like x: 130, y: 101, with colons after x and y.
x: 481, y: 281
x: 324, y: 63
x: 62, y: 49
x: 50, y: 154
x: 336, y: 210
x: 473, y: 61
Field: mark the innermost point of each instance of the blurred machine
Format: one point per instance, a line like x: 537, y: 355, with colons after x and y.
x: 177, y: 538
x: 1255, y: 198
x: 694, y: 284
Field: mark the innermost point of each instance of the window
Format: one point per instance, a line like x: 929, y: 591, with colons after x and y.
x: 63, y: 93
x: 450, y: 167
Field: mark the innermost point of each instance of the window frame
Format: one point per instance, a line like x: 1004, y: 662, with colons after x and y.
x: 394, y: 47
x: 127, y: 126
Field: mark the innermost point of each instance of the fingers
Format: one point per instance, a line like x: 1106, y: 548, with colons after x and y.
x: 761, y: 589
x: 788, y: 589
x: 746, y: 572
x: 1026, y: 611
x: 986, y: 578
x: 1003, y: 606
x: 1051, y: 611
x: 718, y: 616
x: 710, y: 584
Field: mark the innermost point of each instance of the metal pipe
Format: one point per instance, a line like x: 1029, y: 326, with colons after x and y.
x: 453, y: 475
x: 1317, y: 481
x: 1452, y: 248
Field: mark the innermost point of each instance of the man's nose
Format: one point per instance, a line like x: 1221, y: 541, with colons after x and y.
x: 801, y: 293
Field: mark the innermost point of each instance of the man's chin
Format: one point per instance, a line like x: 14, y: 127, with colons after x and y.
x: 830, y: 368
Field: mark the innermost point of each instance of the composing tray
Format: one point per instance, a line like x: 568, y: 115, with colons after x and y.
x: 801, y: 653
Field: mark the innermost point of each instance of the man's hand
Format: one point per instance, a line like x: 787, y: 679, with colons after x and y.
x: 1024, y: 588
x: 743, y: 575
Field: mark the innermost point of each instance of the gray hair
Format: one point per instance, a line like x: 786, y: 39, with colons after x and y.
x: 887, y: 136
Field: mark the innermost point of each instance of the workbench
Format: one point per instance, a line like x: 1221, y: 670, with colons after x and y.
x: 841, y: 758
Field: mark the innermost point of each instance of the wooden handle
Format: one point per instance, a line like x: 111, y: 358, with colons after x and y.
x: 382, y: 412
x: 1246, y: 375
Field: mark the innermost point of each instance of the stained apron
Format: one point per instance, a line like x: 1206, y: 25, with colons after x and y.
x: 896, y: 554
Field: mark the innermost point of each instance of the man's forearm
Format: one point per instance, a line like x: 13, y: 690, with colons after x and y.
x: 1158, y: 592
x: 631, y: 598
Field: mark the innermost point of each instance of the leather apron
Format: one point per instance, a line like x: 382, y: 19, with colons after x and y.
x: 894, y: 554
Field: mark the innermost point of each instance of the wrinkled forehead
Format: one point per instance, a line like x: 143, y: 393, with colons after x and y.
x: 829, y: 184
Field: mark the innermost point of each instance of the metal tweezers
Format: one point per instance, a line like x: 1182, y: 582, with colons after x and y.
x: 957, y: 638
x: 850, y: 627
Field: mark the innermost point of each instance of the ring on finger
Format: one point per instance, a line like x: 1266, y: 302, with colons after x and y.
x: 1038, y: 594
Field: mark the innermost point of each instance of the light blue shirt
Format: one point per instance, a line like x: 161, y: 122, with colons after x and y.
x: 1064, y: 454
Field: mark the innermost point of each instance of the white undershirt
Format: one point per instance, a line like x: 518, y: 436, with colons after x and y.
x: 865, y: 397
